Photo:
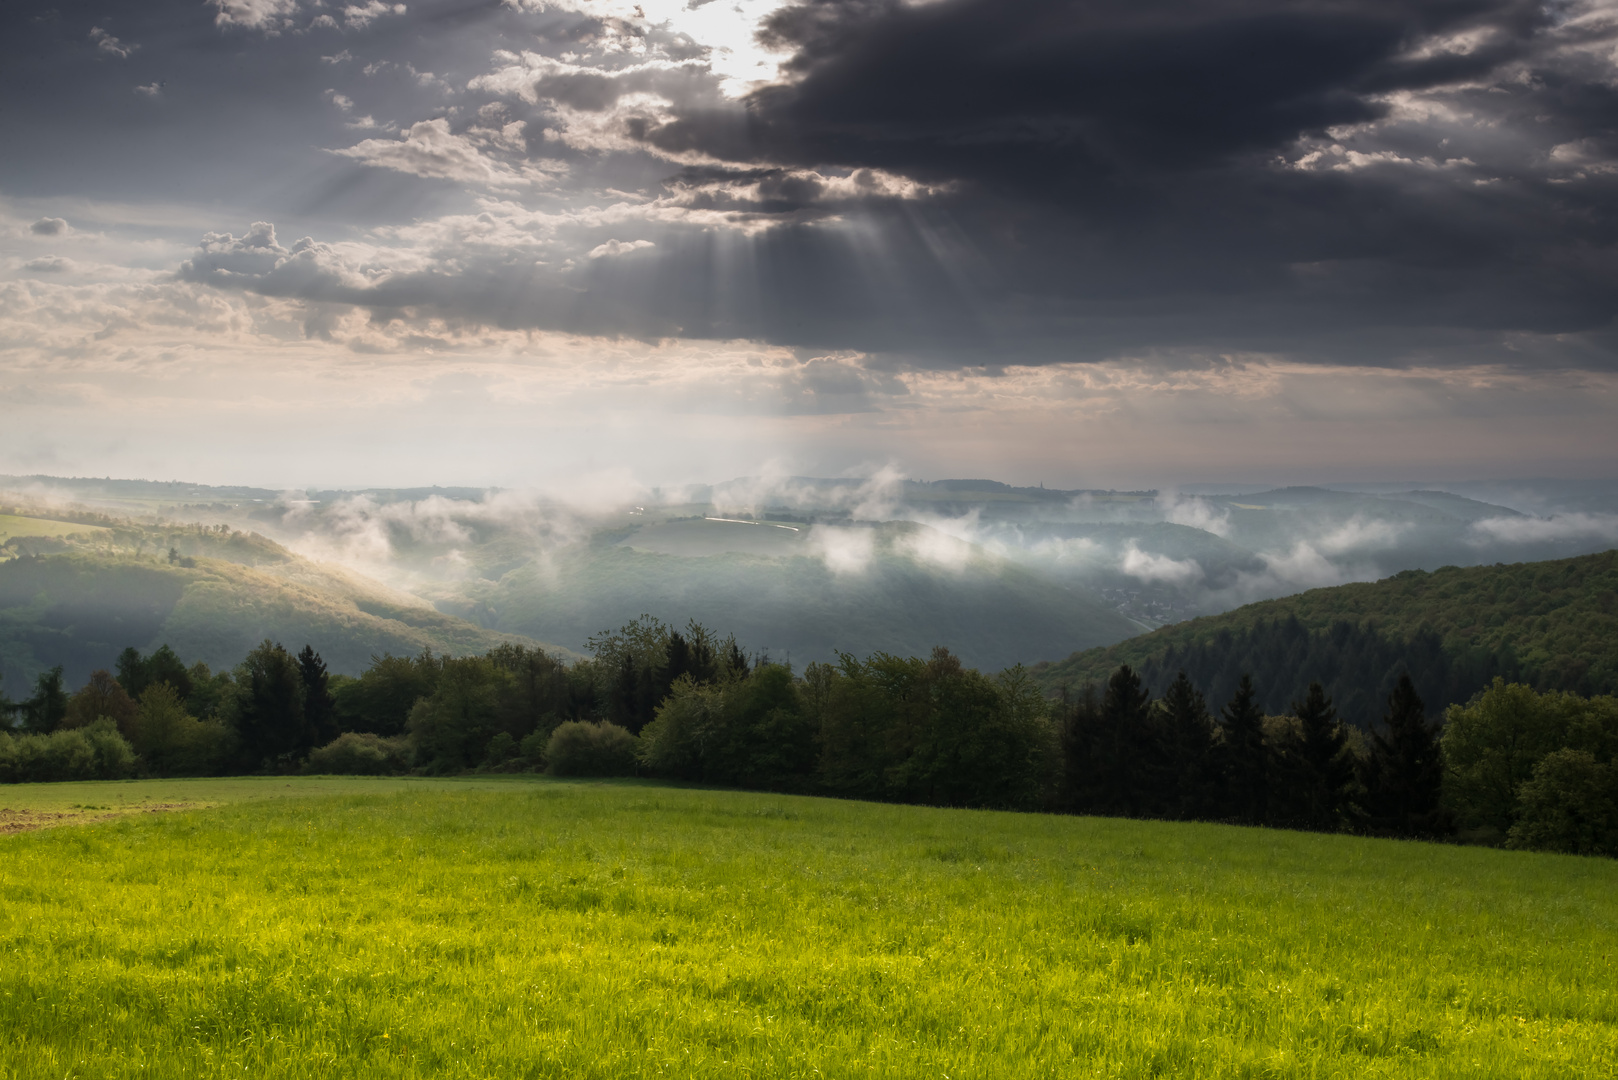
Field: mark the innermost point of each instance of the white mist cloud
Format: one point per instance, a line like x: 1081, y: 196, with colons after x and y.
x: 843, y: 550
x: 1198, y: 513
x: 1359, y: 532
x: 1159, y: 568
x: 1528, y: 530
x: 934, y: 548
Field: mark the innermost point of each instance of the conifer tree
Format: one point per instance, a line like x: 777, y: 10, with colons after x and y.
x: 1244, y: 758
x: 1320, y: 767
x: 1403, y: 773
x: 319, y: 707
x: 1186, y: 739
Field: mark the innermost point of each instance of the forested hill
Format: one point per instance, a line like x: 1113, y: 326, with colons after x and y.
x: 1552, y: 624
x: 76, y: 593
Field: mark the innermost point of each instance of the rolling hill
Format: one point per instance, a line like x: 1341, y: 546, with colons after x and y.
x: 804, y: 593
x: 78, y: 599
x: 1553, y: 624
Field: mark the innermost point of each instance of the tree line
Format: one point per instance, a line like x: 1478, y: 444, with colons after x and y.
x: 1513, y: 765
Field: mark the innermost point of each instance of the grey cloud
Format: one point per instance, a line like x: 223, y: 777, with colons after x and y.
x: 49, y: 264
x: 50, y: 226
x: 111, y: 45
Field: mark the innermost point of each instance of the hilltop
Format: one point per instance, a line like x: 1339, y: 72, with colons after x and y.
x: 1552, y: 624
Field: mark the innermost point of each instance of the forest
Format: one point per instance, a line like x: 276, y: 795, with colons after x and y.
x: 1551, y: 625
x: 1513, y: 765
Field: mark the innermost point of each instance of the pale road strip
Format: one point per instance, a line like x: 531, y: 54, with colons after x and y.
x: 743, y: 521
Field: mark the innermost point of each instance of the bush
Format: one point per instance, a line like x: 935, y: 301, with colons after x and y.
x: 356, y: 753
x: 1570, y: 804
x: 96, y: 752
x: 579, y: 748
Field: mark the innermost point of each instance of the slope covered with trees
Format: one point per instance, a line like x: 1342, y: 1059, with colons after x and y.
x: 212, y: 594
x: 1551, y: 625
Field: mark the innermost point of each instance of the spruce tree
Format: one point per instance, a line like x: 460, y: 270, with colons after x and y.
x: 1404, y: 770
x: 319, y: 707
x: 1244, y: 759
x: 1186, y: 739
x: 1321, y: 773
x: 1127, y: 753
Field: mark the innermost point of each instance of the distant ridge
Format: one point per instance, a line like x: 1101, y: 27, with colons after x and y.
x: 1553, y: 624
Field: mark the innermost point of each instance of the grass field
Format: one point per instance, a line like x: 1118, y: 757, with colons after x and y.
x: 527, y: 928
x: 13, y: 525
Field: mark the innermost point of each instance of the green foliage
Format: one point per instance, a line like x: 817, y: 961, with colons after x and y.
x: 381, y: 699
x: 356, y: 753
x: 101, y: 696
x: 933, y: 731
x: 1569, y: 804
x: 1242, y: 759
x: 1493, y: 744
x: 1313, y: 784
x: 451, y: 729
x: 95, y: 752
x: 170, y: 741
x: 1551, y: 625
x: 580, y: 748
x: 266, y: 711
x: 535, y: 928
x: 1403, y: 774
x: 46, y: 708
x: 749, y: 729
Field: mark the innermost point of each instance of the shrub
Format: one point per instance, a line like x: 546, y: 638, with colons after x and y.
x: 171, y: 741
x: 1570, y: 804
x: 579, y: 748
x: 356, y: 753
x: 96, y: 752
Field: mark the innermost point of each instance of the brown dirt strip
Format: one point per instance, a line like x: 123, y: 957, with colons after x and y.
x: 16, y: 821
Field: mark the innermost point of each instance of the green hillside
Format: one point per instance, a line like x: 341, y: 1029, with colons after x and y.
x: 79, y: 604
x: 1553, y: 624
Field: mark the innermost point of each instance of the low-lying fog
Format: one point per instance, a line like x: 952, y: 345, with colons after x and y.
x: 513, y: 559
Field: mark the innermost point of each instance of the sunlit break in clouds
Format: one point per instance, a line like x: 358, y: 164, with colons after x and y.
x: 559, y: 242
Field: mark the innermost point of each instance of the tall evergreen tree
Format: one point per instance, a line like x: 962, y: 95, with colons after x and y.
x: 1186, y: 739
x: 1243, y: 757
x: 1403, y: 773
x: 1113, y: 756
x: 267, y: 708
x: 1319, y: 768
x: 319, y: 707
x: 131, y: 669
x: 44, y: 711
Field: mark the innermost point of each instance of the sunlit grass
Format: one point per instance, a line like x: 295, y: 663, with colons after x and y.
x: 537, y: 928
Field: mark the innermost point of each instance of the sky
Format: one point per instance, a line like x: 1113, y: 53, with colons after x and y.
x: 552, y: 243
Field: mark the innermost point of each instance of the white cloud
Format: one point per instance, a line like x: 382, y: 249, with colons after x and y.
x: 1149, y: 567
x: 430, y: 149
x: 619, y: 247
x: 1528, y: 530
x: 150, y: 89
x: 341, y: 58
x: 359, y: 16
x: 1197, y: 513
x: 111, y: 45
x: 342, y: 101
x: 843, y: 550
x: 270, y: 16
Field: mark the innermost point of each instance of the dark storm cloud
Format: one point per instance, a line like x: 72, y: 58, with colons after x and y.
x: 963, y: 182
x: 1044, y: 95
x: 1128, y: 175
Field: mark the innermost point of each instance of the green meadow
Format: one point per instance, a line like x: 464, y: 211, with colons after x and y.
x: 524, y: 927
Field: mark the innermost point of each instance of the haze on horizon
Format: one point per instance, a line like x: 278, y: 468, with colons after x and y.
x: 557, y: 243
